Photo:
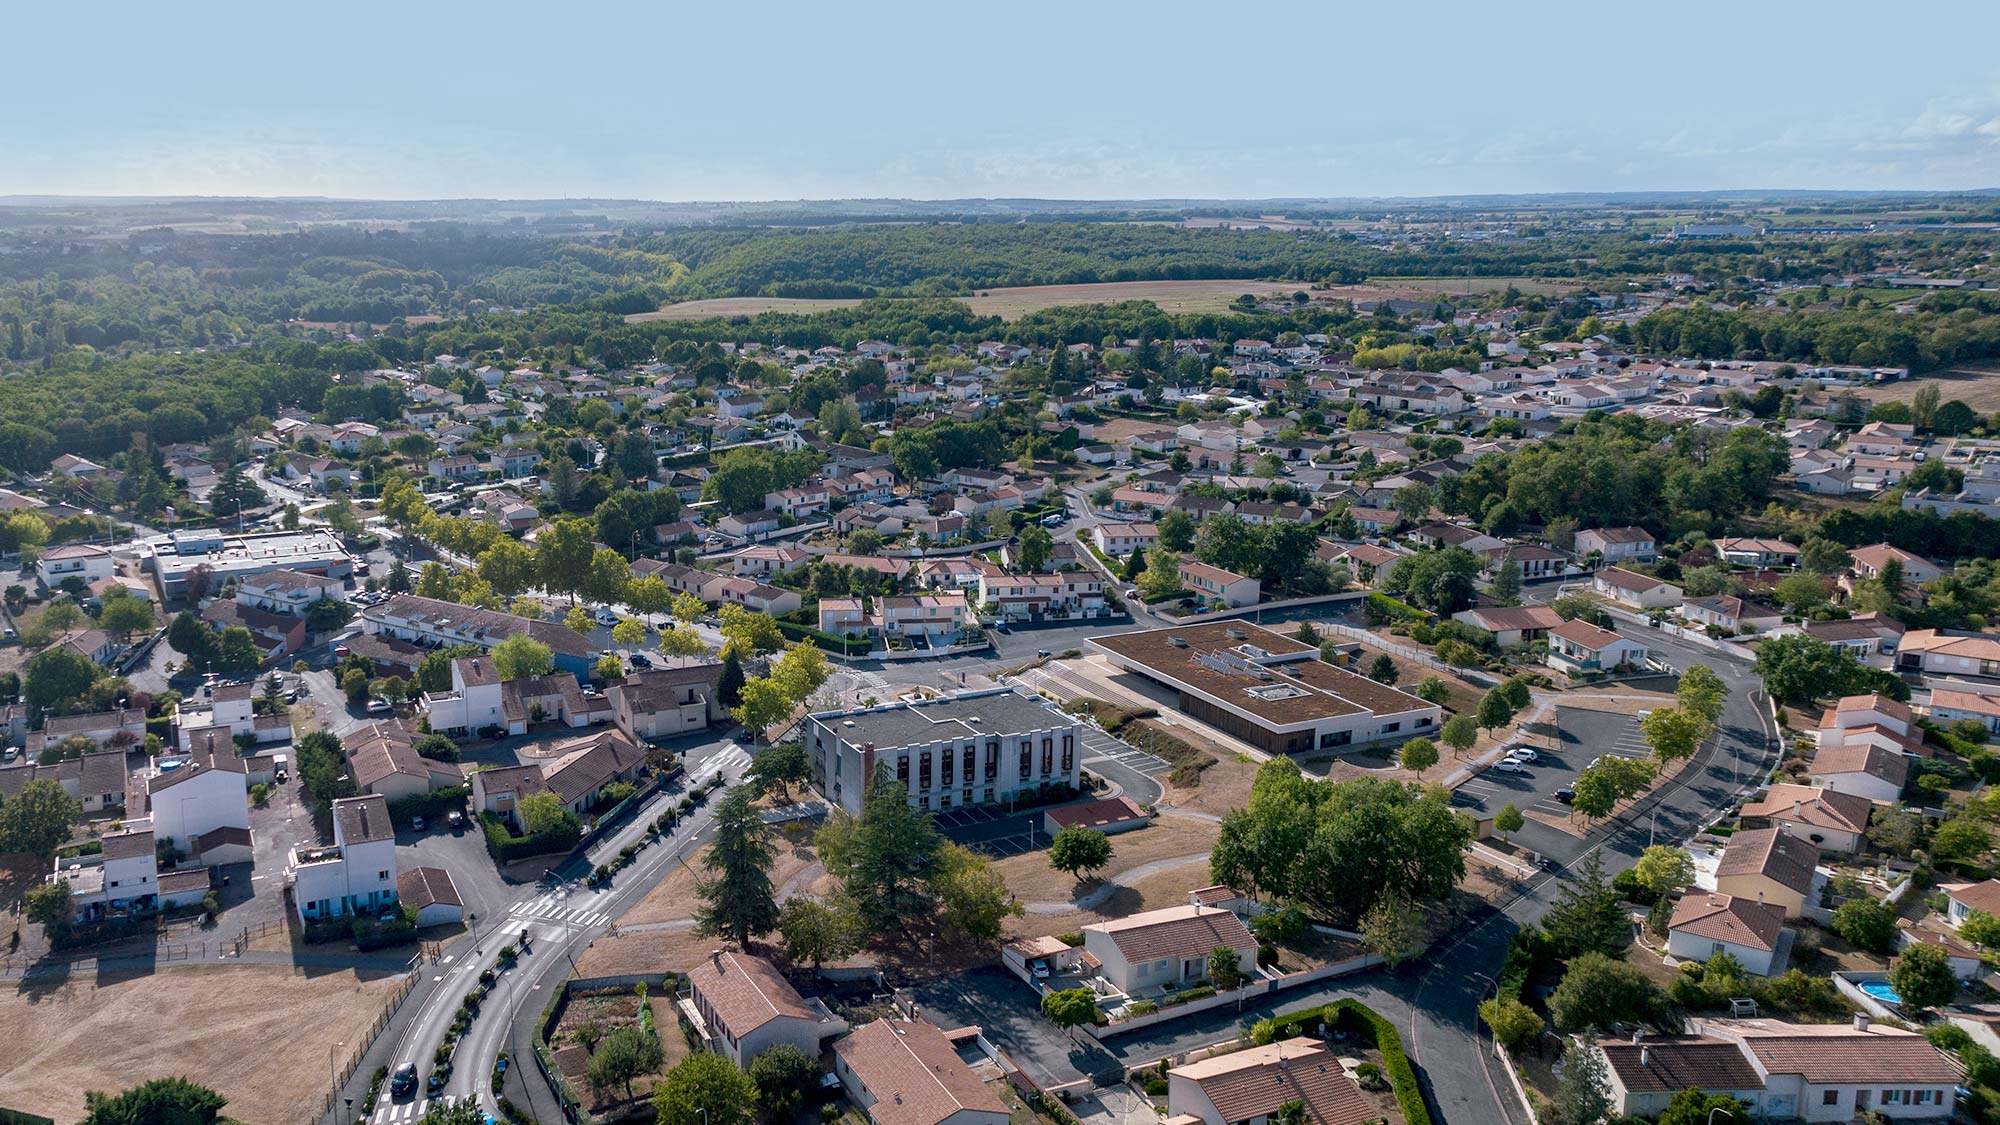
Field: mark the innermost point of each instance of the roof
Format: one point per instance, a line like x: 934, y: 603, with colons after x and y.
x: 1837, y: 1054
x: 361, y: 820
x: 1878, y: 555
x: 1978, y: 703
x: 427, y: 886
x: 128, y: 845
x: 1502, y: 619
x: 488, y: 626
x: 1787, y: 860
x: 1585, y: 634
x: 1278, y: 679
x: 1177, y: 931
x: 1982, y: 896
x: 1727, y: 918
x: 589, y: 763
x: 1864, y: 757
x: 1681, y: 1062
x: 658, y: 688
x: 1629, y: 579
x: 1097, y: 814
x: 744, y: 993
x: 1880, y: 704
x: 914, y: 1072
x: 1972, y: 646
x: 1620, y: 534
x: 1813, y: 806
x: 965, y: 715
x: 1253, y: 1083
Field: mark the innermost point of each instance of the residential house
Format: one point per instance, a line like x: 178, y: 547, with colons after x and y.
x: 288, y: 592
x: 1829, y: 819
x: 577, y: 774
x: 753, y: 595
x: 1141, y: 954
x: 1616, y: 545
x: 907, y: 1072
x: 382, y: 759
x: 1941, y: 652
x: 1861, y: 769
x: 1512, y: 626
x: 664, y: 702
x: 1249, y: 1087
x: 1949, y: 705
x: 1760, y: 553
x: 1631, y: 588
x: 356, y: 874
x: 740, y: 1006
x: 1119, y: 540
x: 765, y: 561
x: 1704, y: 925
x: 1214, y: 583
x: 1580, y: 648
x: 1769, y: 865
x: 80, y: 561
x: 1962, y: 900
x: 1732, y: 614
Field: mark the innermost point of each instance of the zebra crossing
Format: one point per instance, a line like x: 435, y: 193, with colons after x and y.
x: 554, y: 912
x: 392, y: 1112
x: 731, y: 757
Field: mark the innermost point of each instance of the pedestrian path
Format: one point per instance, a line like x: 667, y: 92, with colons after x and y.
x: 390, y: 1112
x: 555, y: 911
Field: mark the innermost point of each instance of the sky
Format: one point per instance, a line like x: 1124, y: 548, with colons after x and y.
x: 1078, y: 100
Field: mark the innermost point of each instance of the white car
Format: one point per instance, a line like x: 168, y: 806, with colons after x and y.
x: 1509, y: 765
x: 1523, y: 754
x: 606, y: 617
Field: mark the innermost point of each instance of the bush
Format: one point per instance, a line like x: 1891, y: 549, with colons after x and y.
x: 1353, y: 1015
x: 429, y: 805
x: 1392, y: 610
x: 1141, y: 1008
x: 1185, y: 995
x: 505, y: 847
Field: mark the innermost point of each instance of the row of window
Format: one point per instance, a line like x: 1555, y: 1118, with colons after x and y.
x: 968, y: 765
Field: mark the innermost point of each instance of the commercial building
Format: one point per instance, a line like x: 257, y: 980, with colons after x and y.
x: 1268, y: 689
x: 973, y: 748
x: 224, y: 557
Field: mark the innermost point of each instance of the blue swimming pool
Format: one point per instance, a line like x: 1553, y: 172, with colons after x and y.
x: 1879, y: 989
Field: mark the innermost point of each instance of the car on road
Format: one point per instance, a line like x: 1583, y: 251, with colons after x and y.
x: 606, y: 617
x: 641, y: 660
x: 1509, y: 765
x: 1524, y: 754
x: 1043, y: 653
x: 454, y: 820
x: 1002, y: 628
x: 404, y: 1082
x: 744, y: 736
x: 418, y: 824
x: 379, y: 706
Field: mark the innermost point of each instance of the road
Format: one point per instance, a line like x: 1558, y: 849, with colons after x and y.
x: 561, y: 917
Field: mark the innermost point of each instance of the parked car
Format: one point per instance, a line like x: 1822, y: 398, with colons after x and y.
x: 641, y: 660
x: 1043, y: 653
x: 1566, y: 795
x: 1524, y: 754
x: 606, y: 617
x: 1509, y: 765
x: 454, y: 819
x: 404, y: 1082
x: 379, y: 706
x: 1040, y: 968
x: 418, y: 824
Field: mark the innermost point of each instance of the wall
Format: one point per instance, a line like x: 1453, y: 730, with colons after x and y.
x: 1247, y: 994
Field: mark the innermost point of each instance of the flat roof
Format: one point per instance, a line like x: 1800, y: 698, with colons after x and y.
x: 1279, y: 680
x: 965, y: 715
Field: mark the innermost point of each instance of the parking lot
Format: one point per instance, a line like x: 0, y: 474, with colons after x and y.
x: 993, y: 831
x: 1581, y: 736
x: 1100, y: 747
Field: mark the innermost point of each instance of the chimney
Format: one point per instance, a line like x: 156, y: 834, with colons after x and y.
x: 1645, y: 1056
x: 1637, y: 1036
x: 1797, y: 806
x: 1861, y: 1021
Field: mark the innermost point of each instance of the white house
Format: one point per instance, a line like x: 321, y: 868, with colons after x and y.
x: 357, y: 873
x: 1216, y: 584
x: 1618, y: 544
x: 73, y: 560
x: 907, y: 1072
x: 287, y: 591
x: 1578, y: 647
x: 1706, y: 924
x: 1142, y: 953
x: 1630, y: 588
x: 1248, y: 1087
x: 1830, y: 820
x: 741, y: 1006
x: 200, y: 802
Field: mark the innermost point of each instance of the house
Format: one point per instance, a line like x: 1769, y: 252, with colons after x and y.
x: 968, y: 749
x: 1949, y: 705
x: 1248, y: 1087
x: 577, y: 774
x: 76, y: 468
x: 1035, y: 597
x: 1767, y: 865
x: 442, y: 624
x: 663, y: 702
x: 1706, y: 924
x: 1110, y: 816
x: 1630, y: 588
x: 1644, y: 1074
x: 121, y: 878
x: 1374, y: 521
x: 1364, y: 560
x: 754, y: 595
x: 1580, y: 648
x: 1142, y: 954
x: 430, y: 892
x: 198, y: 802
x: 763, y: 561
x: 1868, y: 563
x: 1216, y: 584
x: 1870, y: 638
x: 1512, y: 626
x: 1732, y: 614
x: 1757, y: 552
x: 797, y: 502
x: 81, y: 561
x: 1938, y: 652
x: 1829, y: 819
x: 457, y: 467
x: 382, y: 759
x: 1862, y: 769
x: 354, y: 875
x: 1616, y: 545
x: 1965, y: 960
x: 1119, y: 540
x: 1962, y: 900
x: 907, y: 1072
x: 741, y: 1006
x: 1533, y: 561
x: 288, y: 592
x: 749, y: 525
x: 1831, y: 1072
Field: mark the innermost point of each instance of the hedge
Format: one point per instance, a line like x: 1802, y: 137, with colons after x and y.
x: 505, y: 847
x: 429, y: 804
x: 1187, y: 995
x: 1400, y: 611
x: 827, y: 642
x: 1409, y: 1095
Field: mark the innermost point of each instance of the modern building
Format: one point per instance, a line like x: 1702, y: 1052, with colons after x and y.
x: 198, y: 801
x: 907, y: 1072
x: 740, y: 1006
x: 973, y: 748
x: 356, y: 874
x: 224, y: 558
x: 81, y: 561
x: 1268, y: 689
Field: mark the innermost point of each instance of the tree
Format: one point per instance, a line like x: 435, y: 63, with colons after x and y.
x: 1433, y: 690
x: 1665, y: 870
x: 1799, y: 668
x: 1694, y: 1106
x: 888, y: 858
x: 1672, y: 733
x: 38, y: 819
x: 1923, y: 978
x: 563, y: 555
x: 1866, y: 924
x: 1702, y: 693
x: 739, y: 901
x: 1959, y: 838
x: 162, y: 1101
x: 747, y: 633
x: 783, y: 1074
x: 1924, y: 407
x: 1077, y: 850
x: 1163, y: 573
x: 776, y: 768
x: 579, y: 620
x: 629, y: 632
x: 1513, y: 1023
x: 1508, y: 820
x: 1981, y: 929
x: 1597, y: 992
x: 1582, y: 1092
x: 729, y: 681
x: 1494, y: 710
x: 604, y: 582
x: 762, y: 704
x: 508, y: 567
x: 1515, y: 689
x: 1419, y: 754
x: 1396, y: 929
x: 801, y: 670
x: 686, y: 644
x: 1802, y: 593
x: 1072, y: 1007
x: 688, y: 608
x: 705, y: 1089
x: 1177, y: 531
x: 541, y: 812
x: 973, y: 900
x: 819, y: 932
x: 1383, y: 670
x: 1225, y: 969
x: 54, y: 676
x: 237, y: 651
x: 51, y: 906
x: 354, y: 684
x: 191, y: 637
x: 122, y: 617
x: 1507, y: 583
x: 520, y: 656
x: 1460, y: 732
x: 650, y: 594
x: 1823, y: 556
x: 1589, y: 915
x: 623, y: 1055
x: 1035, y: 546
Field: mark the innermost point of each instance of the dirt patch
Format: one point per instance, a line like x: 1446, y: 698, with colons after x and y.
x: 607, y: 1014
x: 1224, y: 788
x: 1031, y: 878
x: 674, y: 897
x: 648, y: 951
x: 1977, y: 388
x: 221, y: 1026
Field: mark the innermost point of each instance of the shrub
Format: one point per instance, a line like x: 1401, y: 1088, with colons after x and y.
x: 1141, y: 1008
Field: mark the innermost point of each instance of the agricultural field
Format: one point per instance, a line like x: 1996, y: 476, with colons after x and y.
x: 1978, y: 388
x: 259, y: 1035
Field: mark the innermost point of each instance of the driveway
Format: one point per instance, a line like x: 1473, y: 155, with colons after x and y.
x: 1010, y: 1013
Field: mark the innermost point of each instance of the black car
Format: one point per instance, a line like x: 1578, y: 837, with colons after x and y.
x: 1566, y: 795
x: 404, y: 1081
x: 641, y: 660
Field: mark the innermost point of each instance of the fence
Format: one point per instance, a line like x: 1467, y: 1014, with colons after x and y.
x: 1249, y: 993
x: 1413, y: 655
x: 367, y: 1040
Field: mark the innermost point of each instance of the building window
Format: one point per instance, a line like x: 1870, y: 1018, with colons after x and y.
x: 1889, y: 1097
x: 903, y: 772
x: 1048, y: 757
x: 1392, y: 728
x: 924, y: 771
x: 381, y: 874
x: 971, y: 758
x: 1068, y: 756
x: 1027, y: 760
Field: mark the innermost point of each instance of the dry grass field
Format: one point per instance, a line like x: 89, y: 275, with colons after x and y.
x: 1979, y: 389
x: 1424, y: 286
x: 1008, y: 304
x: 674, y: 897
x: 1031, y: 878
x: 739, y: 306
x: 258, y: 1034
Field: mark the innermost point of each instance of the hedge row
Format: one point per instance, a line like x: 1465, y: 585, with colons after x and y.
x: 1400, y: 611
x: 1350, y: 1013
x: 827, y: 642
x: 505, y: 847
x: 429, y: 804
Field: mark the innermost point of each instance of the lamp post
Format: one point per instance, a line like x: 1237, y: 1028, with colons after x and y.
x: 1722, y: 1111
x: 332, y: 1078
x: 473, y: 919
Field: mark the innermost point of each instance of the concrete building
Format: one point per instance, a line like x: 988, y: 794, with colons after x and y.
x: 356, y: 874
x: 81, y: 561
x: 740, y: 1007
x: 1268, y: 689
x: 973, y: 748
x: 289, y: 592
x: 1766, y: 865
x: 1630, y: 588
x: 224, y: 557
x: 442, y: 624
x: 665, y: 702
x: 199, y: 802
x: 1580, y: 649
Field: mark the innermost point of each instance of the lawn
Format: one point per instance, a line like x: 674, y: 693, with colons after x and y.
x: 1031, y: 878
x: 231, y: 1028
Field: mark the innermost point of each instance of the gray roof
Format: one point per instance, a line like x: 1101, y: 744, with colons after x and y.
x: 358, y: 820
x: 966, y: 715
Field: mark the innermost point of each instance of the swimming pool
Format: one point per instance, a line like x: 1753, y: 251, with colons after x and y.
x: 1879, y: 989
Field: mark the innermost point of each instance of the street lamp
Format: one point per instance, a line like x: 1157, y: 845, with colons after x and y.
x: 1722, y: 1111
x: 473, y: 919
x: 332, y: 1079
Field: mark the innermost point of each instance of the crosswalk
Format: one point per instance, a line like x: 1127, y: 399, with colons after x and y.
x: 555, y: 912
x: 731, y: 757
x: 391, y: 1112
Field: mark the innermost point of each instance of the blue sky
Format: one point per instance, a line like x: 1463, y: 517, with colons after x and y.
x: 788, y: 100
